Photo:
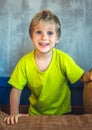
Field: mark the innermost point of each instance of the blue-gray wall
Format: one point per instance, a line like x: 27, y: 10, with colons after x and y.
x: 15, y: 17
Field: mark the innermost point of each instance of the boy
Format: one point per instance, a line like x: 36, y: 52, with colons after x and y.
x: 46, y: 70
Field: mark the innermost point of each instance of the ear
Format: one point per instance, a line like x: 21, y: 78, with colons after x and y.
x: 57, y: 41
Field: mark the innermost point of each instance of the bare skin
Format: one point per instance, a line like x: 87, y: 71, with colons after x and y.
x: 14, y: 107
x: 87, y: 76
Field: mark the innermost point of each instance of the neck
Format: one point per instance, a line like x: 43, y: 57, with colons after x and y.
x: 43, y: 60
x: 43, y: 55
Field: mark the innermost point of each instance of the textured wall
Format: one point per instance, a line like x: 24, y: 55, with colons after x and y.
x: 15, y: 16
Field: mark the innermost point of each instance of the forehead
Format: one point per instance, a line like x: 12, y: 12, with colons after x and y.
x: 44, y: 25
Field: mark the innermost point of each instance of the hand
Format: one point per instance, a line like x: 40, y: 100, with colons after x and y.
x: 90, y: 74
x: 87, y: 76
x: 13, y: 118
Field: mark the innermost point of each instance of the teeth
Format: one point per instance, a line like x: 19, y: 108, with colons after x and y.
x: 44, y: 44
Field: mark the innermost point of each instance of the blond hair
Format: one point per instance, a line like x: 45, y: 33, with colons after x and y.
x: 48, y: 17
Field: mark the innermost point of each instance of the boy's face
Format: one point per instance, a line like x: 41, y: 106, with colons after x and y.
x: 44, y: 37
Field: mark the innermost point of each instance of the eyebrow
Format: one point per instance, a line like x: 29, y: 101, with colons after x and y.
x: 37, y: 28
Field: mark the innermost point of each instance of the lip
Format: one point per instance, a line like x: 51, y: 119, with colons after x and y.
x: 43, y: 44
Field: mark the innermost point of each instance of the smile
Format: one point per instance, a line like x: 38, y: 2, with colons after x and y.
x: 43, y: 44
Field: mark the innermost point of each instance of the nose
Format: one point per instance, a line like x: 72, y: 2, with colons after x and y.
x: 44, y: 36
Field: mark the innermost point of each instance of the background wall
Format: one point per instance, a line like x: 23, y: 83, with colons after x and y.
x: 15, y: 17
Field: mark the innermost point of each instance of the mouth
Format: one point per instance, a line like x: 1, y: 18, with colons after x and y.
x: 43, y: 44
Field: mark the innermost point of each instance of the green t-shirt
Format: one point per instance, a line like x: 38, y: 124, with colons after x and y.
x: 50, y: 92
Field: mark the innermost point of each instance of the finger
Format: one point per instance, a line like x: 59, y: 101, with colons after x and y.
x: 20, y: 115
x: 8, y: 120
x: 24, y: 115
x: 16, y: 119
x: 5, y: 119
x: 91, y: 75
x: 12, y: 120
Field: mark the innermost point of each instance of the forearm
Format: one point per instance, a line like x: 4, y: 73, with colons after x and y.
x: 14, y: 101
x: 14, y: 107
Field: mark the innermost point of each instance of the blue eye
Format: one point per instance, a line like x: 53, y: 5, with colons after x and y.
x: 49, y: 32
x: 38, y: 32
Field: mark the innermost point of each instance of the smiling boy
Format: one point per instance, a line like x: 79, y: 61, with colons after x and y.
x: 46, y: 70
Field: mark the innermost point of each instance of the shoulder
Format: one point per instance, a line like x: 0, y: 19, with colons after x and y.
x: 63, y: 58
x: 61, y: 54
x: 26, y: 59
x: 27, y: 56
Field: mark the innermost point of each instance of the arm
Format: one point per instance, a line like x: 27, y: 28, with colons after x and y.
x: 14, y: 101
x: 14, y: 107
x: 87, y: 76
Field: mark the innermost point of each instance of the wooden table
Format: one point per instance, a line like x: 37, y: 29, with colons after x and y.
x: 44, y: 122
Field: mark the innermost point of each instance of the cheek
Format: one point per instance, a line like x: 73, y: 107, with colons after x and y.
x: 35, y: 36
x: 54, y: 39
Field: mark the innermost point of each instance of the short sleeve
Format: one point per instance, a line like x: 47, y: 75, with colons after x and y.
x: 18, y: 77
x: 72, y: 69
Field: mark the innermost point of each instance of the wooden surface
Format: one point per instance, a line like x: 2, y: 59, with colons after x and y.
x: 65, y: 122
x: 87, y: 98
